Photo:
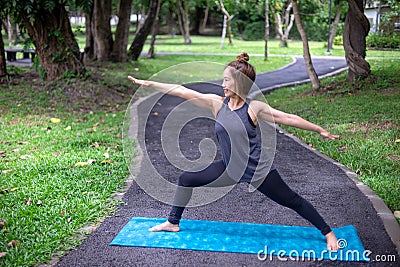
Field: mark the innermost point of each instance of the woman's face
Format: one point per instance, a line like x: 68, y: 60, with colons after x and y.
x: 228, y: 84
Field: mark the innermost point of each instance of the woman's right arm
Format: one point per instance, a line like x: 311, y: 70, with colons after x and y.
x: 208, y: 101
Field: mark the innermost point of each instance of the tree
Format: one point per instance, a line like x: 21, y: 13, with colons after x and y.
x: 182, y: 11
x: 140, y: 38
x: 102, y: 26
x: 154, y: 31
x: 226, y: 25
x: 306, y: 51
x: 266, y: 29
x: 119, y: 51
x: 90, y: 45
x: 9, y: 29
x: 100, y: 44
x: 47, y: 24
x: 283, y: 19
x: 356, y: 29
x: 335, y: 24
x: 3, y: 66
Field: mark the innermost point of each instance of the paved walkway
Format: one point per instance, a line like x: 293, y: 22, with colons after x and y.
x: 328, y: 185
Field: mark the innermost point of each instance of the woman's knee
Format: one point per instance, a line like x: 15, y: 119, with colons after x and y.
x: 187, y: 179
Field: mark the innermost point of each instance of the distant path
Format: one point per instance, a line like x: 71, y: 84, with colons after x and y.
x: 295, y: 73
x: 291, y: 74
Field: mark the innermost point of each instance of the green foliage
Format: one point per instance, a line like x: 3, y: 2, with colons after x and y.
x: 338, y: 40
x: 36, y: 66
x: 387, y: 18
x: 31, y: 8
x: 254, y: 31
x: 384, y: 41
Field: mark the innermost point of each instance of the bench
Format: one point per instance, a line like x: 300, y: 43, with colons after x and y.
x: 12, y: 53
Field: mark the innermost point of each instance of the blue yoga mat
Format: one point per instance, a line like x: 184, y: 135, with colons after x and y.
x: 295, y: 242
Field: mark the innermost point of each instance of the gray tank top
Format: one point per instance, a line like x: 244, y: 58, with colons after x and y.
x: 240, y: 144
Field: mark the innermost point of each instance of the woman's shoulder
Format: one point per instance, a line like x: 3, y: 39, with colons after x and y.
x: 257, y: 104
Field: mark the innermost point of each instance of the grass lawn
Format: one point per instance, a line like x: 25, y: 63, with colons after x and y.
x: 61, y: 158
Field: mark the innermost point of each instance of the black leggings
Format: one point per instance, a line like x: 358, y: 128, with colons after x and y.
x: 273, y: 187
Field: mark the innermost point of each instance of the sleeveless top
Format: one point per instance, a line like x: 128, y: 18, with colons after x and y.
x: 240, y: 144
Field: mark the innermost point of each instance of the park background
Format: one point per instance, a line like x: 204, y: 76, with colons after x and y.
x: 62, y: 163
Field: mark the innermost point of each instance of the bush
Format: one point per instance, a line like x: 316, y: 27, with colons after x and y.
x: 338, y: 40
x: 254, y: 31
x: 384, y: 41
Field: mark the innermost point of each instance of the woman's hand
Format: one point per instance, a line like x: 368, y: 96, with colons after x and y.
x: 327, y: 135
x: 137, y: 81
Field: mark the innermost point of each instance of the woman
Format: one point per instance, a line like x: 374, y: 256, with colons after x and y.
x: 233, y: 106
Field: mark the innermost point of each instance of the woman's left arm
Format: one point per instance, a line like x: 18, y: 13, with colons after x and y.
x: 267, y: 113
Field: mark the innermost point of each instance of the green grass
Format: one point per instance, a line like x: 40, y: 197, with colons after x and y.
x: 367, y: 118
x: 211, y: 44
x: 45, y: 195
x: 205, y: 45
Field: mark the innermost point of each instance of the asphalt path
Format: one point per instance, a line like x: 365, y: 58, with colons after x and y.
x: 295, y: 73
x: 325, y: 183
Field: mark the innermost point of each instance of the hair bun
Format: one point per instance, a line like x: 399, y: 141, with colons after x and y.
x: 243, y: 57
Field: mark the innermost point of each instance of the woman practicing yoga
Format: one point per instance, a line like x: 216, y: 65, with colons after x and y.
x: 236, y: 125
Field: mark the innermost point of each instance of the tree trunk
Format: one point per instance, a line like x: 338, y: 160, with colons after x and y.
x: 306, y: 51
x: 378, y: 16
x: 171, y: 22
x: 140, y: 38
x: 154, y: 32
x: 138, y: 21
x: 9, y: 32
x: 103, y: 36
x: 226, y: 25
x: 197, y: 21
x: 335, y: 24
x: 204, y: 23
x: 61, y: 53
x: 120, y: 51
x: 90, y: 50
x: 266, y: 29
x: 223, y: 32
x: 183, y: 15
x: 289, y: 19
x: 278, y: 22
x: 142, y: 19
x: 356, y: 29
x: 283, y: 23
x: 229, y: 31
x: 3, y: 66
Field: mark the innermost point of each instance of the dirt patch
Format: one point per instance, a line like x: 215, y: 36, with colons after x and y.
x: 334, y: 88
x: 390, y: 91
x: 394, y: 157
x: 89, y: 94
x: 366, y: 127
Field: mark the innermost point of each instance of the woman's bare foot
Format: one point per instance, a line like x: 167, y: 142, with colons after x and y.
x: 165, y: 227
x: 331, y: 241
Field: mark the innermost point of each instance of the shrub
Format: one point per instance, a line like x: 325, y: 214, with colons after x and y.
x: 254, y: 31
x: 338, y: 40
x: 384, y: 41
